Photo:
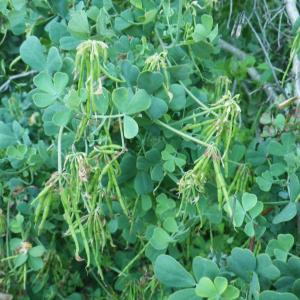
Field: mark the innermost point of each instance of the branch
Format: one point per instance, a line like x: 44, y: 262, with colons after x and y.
x: 251, y: 71
x: 5, y: 296
x: 292, y: 11
x: 293, y: 14
x: 6, y: 84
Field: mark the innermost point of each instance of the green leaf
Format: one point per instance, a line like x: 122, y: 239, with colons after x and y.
x: 231, y: 293
x: 203, y: 267
x: 72, y: 100
x: 164, y: 205
x: 143, y: 183
x: 280, y: 247
x: 265, y: 181
x: 280, y: 121
x: 43, y: 81
x: 200, y: 33
x: 37, y: 251
x: 69, y: 43
x: 242, y: 262
x: 16, y: 225
x: 256, y: 210
x: 277, y: 169
x: 238, y: 211
x: 146, y: 202
x: 296, y: 288
x: 207, y: 21
x: 150, y: 81
x: 160, y: 239
x: 248, y: 201
x: 18, y: 4
x: 17, y: 152
x: 286, y: 214
x: 130, y: 72
x: 249, y: 229
x: 170, y: 225
x: 213, y: 34
x: 17, y: 19
x: 60, y: 81
x: 271, y: 295
x: 128, y: 104
x: 137, y: 3
x: 178, y: 99
x: 31, y: 52
x: 131, y: 127
x: 43, y: 100
x: 61, y: 118
x: 275, y: 148
x: 294, y: 187
x: 206, y: 288
x: 141, y: 101
x: 7, y: 137
x: 185, y: 294
x: 266, y: 268
x: 221, y: 284
x: 102, y: 102
x: 36, y: 263
x: 54, y: 61
x: 120, y: 99
x: 157, y: 109
x: 266, y: 118
x: 171, y: 273
x: 21, y: 260
x: 47, y: 90
x: 78, y: 25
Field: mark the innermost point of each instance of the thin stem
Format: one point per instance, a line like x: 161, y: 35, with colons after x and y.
x: 277, y: 202
x: 182, y: 134
x: 134, y: 259
x: 179, y: 17
x: 265, y: 52
x: 6, y: 84
x: 107, y: 116
x: 197, y: 100
x: 7, y: 231
x: 59, y: 153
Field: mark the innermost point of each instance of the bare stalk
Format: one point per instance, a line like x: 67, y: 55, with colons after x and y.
x: 293, y: 14
x: 6, y: 84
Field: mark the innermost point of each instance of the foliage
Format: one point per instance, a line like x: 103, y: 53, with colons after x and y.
x: 134, y: 143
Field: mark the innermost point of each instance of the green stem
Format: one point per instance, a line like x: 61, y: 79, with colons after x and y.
x: 197, y: 100
x: 179, y: 17
x: 277, y: 202
x: 59, y: 153
x: 182, y: 134
x: 134, y: 259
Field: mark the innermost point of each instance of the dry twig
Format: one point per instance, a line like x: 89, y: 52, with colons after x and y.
x: 6, y: 84
x: 293, y: 14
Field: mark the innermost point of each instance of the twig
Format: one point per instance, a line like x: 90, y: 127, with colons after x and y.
x: 293, y: 14
x: 6, y: 84
x: 265, y: 52
x: 5, y: 296
x: 251, y: 71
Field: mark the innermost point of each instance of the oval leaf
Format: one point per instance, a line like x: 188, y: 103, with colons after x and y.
x: 171, y: 273
x: 131, y: 128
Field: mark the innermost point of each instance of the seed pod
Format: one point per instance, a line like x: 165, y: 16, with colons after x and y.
x: 2, y: 223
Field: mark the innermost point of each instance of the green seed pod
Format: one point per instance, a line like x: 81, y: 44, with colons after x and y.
x: 2, y: 224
